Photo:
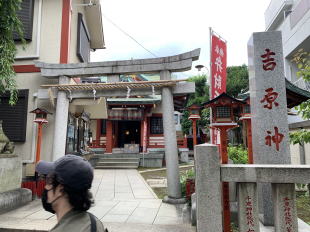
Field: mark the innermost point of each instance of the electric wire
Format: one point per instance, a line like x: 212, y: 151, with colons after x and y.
x: 119, y: 28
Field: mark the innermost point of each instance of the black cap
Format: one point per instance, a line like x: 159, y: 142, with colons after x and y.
x: 71, y: 170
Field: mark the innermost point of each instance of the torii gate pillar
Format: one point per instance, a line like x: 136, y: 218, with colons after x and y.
x: 171, y: 149
x: 61, y: 121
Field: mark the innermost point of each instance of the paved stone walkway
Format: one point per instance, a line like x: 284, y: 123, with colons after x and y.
x: 123, y: 202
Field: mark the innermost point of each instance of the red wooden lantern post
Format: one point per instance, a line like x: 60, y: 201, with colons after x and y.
x: 40, y: 119
x: 194, y: 116
x: 246, y: 117
x: 223, y: 119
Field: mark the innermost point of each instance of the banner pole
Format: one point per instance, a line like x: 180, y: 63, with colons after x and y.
x: 210, y: 83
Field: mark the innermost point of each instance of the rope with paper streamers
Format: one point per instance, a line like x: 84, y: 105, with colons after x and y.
x: 128, y: 92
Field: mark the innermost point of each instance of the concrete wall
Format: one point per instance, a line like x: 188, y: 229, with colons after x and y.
x: 10, y: 173
x: 74, y: 21
x: 46, y: 38
x: 32, y: 81
x: 45, y: 46
x: 307, y: 152
x: 49, y: 26
x: 295, y: 153
x: 292, y: 35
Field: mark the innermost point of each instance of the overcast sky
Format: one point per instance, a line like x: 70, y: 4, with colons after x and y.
x: 171, y: 27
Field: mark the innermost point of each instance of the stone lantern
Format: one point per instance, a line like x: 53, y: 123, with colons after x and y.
x: 194, y: 116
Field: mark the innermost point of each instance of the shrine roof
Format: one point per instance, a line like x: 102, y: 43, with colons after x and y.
x: 294, y: 94
x: 223, y: 95
x: 146, y: 100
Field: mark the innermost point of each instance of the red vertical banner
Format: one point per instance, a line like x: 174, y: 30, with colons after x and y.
x: 218, y: 73
x: 218, y: 66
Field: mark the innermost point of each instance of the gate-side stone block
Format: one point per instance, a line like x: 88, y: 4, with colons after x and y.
x: 208, y: 188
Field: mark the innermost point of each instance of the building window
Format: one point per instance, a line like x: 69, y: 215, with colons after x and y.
x: 223, y: 112
x: 157, y: 125
x: 25, y: 14
x: 103, y: 128
x: 15, y: 117
x: 83, y: 40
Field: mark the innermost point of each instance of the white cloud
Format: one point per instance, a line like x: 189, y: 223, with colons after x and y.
x: 170, y: 27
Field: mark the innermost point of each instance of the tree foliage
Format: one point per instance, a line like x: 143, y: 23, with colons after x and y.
x: 302, y: 60
x: 200, y: 96
x: 237, y: 80
x: 9, y: 22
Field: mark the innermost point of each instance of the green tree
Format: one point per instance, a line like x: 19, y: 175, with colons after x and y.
x: 237, y: 80
x: 200, y: 96
x: 9, y: 22
x: 302, y: 60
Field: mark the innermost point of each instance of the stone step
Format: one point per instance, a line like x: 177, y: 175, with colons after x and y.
x: 119, y: 160
x: 117, y: 164
x: 116, y: 167
x: 119, y: 155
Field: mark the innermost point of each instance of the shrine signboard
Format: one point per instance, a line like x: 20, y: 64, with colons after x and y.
x: 268, y: 105
x: 268, y: 99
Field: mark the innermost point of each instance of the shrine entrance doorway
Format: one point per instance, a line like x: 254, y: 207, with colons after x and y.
x: 128, y: 133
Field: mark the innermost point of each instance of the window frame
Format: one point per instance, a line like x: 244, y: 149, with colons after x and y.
x: 82, y: 27
x: 160, y: 129
x: 21, y: 136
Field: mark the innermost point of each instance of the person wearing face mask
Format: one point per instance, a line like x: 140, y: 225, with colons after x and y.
x: 67, y: 194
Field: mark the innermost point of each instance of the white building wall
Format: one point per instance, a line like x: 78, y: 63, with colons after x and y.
x: 292, y: 18
x: 292, y: 35
x: 307, y: 152
x: 74, y: 22
x: 45, y: 44
x: 32, y: 81
x: 45, y: 47
x: 295, y: 153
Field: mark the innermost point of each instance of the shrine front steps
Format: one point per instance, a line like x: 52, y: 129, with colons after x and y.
x: 117, y: 163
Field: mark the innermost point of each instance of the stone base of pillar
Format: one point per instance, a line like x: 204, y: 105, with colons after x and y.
x: 14, y: 198
x: 174, y: 201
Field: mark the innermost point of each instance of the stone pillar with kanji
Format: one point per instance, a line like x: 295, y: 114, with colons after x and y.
x: 268, y: 109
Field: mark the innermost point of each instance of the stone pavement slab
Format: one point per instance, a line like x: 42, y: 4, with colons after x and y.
x: 122, y: 198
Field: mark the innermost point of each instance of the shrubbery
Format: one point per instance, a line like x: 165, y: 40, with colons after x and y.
x: 188, y: 174
x: 238, y: 154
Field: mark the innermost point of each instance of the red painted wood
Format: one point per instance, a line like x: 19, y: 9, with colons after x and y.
x: 250, y: 146
x: 225, y: 186
x: 65, y: 32
x: 194, y: 132
x: 25, y: 69
x: 39, y: 139
x: 109, y: 140
x: 98, y: 129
